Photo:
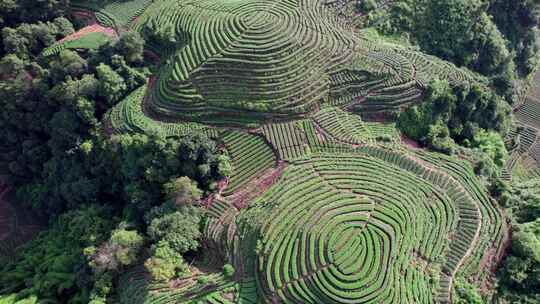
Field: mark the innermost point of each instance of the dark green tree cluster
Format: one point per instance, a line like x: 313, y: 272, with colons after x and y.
x: 19, y: 11
x: 518, y: 22
x: 51, y: 104
x: 461, y: 31
x: 104, y: 195
x: 105, y: 260
x: 131, y: 176
x: 519, y: 275
x: 52, y: 267
x: 496, y: 38
x: 470, y: 115
x: 174, y: 230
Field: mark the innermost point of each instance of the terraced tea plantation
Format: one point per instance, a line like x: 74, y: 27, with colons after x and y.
x: 524, y: 162
x: 331, y: 209
x: 321, y: 206
x: 256, y: 61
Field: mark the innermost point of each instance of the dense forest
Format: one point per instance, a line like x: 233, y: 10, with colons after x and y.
x: 122, y: 198
x: 112, y: 201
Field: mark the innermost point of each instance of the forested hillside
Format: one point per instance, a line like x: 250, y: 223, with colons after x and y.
x: 257, y: 151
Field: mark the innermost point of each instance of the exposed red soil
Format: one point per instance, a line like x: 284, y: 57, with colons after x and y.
x: 491, y: 260
x: 409, y: 142
x: 501, y: 254
x: 94, y: 28
x: 207, y: 202
x: 257, y: 186
x: 494, y: 256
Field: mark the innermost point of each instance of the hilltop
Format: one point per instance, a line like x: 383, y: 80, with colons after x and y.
x: 258, y: 151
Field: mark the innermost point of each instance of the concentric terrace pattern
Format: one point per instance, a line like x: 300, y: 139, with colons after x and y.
x: 273, y: 59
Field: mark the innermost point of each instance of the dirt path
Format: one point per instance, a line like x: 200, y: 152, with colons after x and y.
x: 256, y: 187
x: 476, y: 237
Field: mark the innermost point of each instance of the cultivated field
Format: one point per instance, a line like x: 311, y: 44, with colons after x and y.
x: 322, y: 206
x: 252, y: 61
x: 339, y: 215
x: 524, y: 162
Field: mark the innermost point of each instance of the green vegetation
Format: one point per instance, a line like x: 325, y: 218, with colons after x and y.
x: 287, y: 138
x: 49, y: 260
x: 461, y: 114
x: 324, y: 208
x: 249, y: 155
x: 494, y: 37
x: 114, y: 13
x: 518, y: 279
x: 91, y: 41
x: 519, y: 194
x: 203, y: 80
x: 254, y: 151
x: 349, y: 128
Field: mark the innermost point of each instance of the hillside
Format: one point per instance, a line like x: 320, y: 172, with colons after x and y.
x: 257, y: 151
x: 237, y: 61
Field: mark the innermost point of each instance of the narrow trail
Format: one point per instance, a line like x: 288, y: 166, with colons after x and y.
x: 257, y: 186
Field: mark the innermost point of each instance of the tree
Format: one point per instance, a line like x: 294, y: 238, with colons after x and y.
x: 414, y: 122
x: 518, y: 21
x: 120, y: 250
x: 111, y: 85
x: 132, y: 76
x: 165, y: 263
x: 459, y: 113
x: 51, y: 266
x: 224, y: 165
x: 228, y: 270
x: 523, y: 200
x: 127, y: 244
x: 28, y: 40
x: 180, y: 230
x: 495, y: 38
x: 67, y: 169
x: 67, y: 63
x: 131, y: 46
x: 183, y: 191
x: 438, y: 138
x: 446, y: 28
x: 493, y: 145
x: 163, y: 34
x: 466, y: 293
x: 17, y: 11
x: 519, y: 274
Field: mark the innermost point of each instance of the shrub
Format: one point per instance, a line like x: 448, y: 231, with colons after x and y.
x: 228, y: 270
x: 165, y: 263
